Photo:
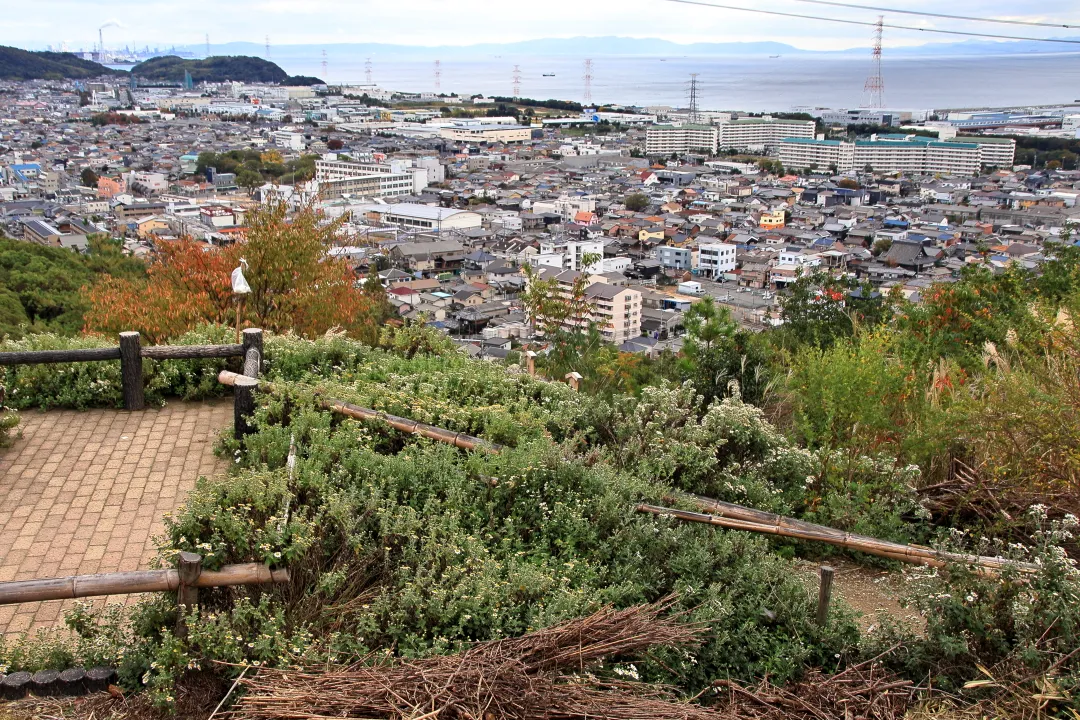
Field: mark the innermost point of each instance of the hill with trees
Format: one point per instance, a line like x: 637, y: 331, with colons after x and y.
x: 240, y: 68
x: 16, y: 64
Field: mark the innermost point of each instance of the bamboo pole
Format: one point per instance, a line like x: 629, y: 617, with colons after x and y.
x: 871, y: 546
x: 413, y: 427
x: 761, y: 517
x: 138, y: 581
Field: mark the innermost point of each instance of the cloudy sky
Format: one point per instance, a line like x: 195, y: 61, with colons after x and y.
x: 37, y: 23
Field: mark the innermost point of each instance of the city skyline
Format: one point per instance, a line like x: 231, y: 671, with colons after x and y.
x: 468, y: 22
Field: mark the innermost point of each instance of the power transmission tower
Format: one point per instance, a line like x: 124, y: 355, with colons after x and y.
x: 587, y: 97
x: 693, y: 99
x: 367, y: 70
x: 324, y: 76
x: 267, y: 47
x: 875, y: 84
x: 517, y: 81
x: 438, y: 75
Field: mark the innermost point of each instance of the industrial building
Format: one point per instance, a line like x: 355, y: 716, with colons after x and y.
x: 476, y: 133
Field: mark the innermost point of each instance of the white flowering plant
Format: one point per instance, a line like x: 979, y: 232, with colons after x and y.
x: 1025, y: 623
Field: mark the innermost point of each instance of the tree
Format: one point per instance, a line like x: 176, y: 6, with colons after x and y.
x: 717, y: 352
x: 334, y: 144
x: 819, y: 308
x: 88, y: 178
x: 637, y: 202
x: 249, y: 179
x: 294, y: 285
x: 881, y: 246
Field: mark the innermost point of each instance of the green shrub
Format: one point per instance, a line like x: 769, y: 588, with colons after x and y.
x: 1024, y: 624
x: 9, y: 421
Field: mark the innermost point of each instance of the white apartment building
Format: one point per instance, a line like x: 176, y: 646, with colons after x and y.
x: 566, y: 207
x: 764, y: 133
x: 667, y: 139
x: 999, y: 152
x: 715, y: 259
x: 287, y: 140
x: 912, y: 154
x: 336, y: 178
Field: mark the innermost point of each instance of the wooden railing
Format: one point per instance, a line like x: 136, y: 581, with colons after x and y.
x: 130, y: 353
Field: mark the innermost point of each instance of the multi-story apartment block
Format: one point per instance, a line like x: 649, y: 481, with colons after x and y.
x: 615, y: 309
x: 894, y: 153
x: 340, y: 177
x: 667, y: 139
x: 764, y: 133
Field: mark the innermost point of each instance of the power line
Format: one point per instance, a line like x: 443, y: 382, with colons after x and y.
x: 872, y: 24
x: 938, y: 15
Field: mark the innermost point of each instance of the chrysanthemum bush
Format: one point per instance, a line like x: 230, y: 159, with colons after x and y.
x: 1016, y: 626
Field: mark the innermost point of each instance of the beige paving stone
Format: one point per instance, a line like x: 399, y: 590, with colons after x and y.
x: 75, y: 497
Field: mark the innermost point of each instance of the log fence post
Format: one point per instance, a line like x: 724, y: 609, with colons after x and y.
x: 131, y: 375
x: 188, y: 568
x: 243, y: 406
x: 244, y: 391
x: 253, y: 338
x: 824, y: 594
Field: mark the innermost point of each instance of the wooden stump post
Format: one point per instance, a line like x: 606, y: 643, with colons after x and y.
x: 574, y: 380
x: 530, y: 362
x: 824, y: 594
x: 188, y: 567
x: 131, y: 371
x: 253, y: 338
x: 243, y: 406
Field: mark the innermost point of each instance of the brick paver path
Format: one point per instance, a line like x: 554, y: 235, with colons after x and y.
x: 84, y: 492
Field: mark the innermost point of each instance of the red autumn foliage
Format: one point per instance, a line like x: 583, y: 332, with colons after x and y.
x: 294, y: 285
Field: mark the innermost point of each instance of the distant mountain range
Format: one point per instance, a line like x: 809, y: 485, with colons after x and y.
x: 622, y: 46
x: 16, y: 64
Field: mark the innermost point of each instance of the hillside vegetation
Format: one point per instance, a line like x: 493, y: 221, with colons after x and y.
x: 238, y: 68
x: 16, y: 64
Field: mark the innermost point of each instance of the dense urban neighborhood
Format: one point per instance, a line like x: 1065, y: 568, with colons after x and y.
x: 449, y: 206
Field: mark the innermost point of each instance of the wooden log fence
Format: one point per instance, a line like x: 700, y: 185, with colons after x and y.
x: 131, y: 353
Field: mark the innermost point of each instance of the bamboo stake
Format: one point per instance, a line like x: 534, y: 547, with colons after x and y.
x: 139, y: 581
x: 871, y: 546
x: 461, y: 440
x: 761, y: 517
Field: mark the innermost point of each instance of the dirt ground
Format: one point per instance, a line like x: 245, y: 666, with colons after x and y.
x: 869, y: 591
